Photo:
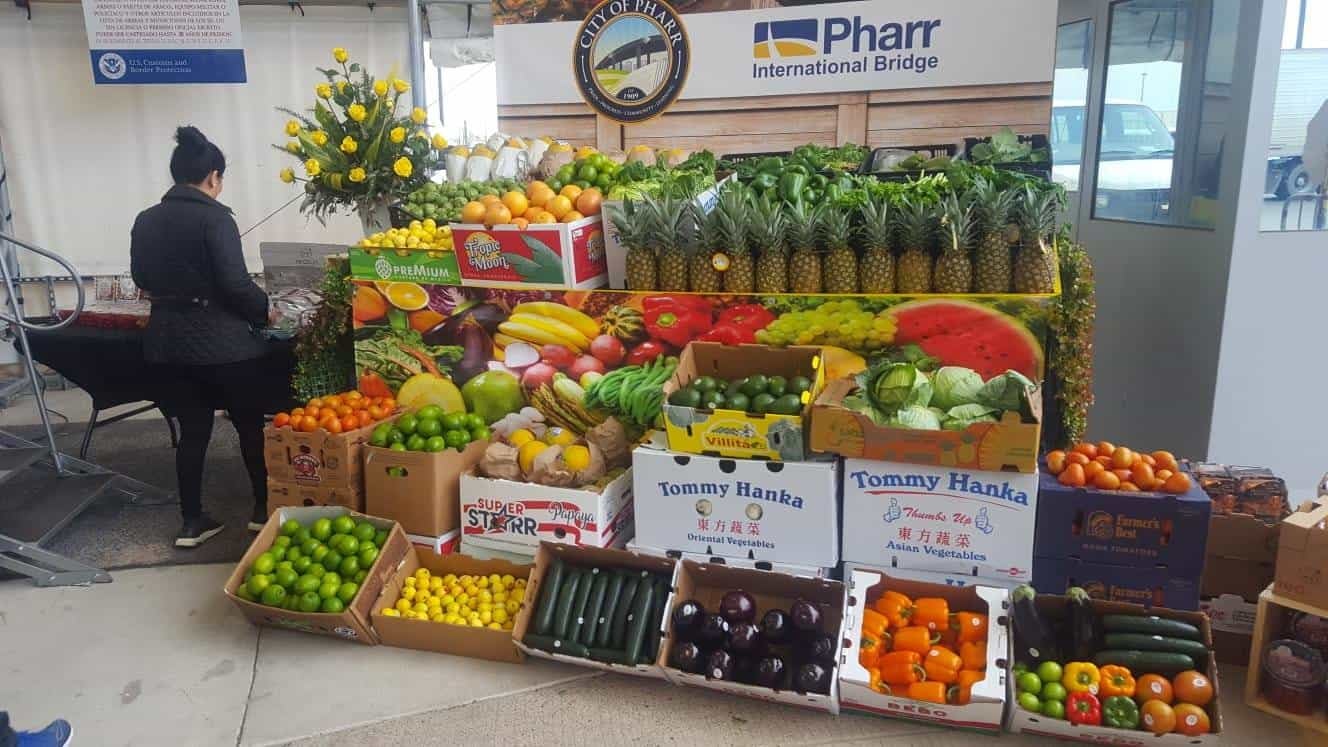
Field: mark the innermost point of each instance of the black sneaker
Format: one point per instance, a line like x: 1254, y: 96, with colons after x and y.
x: 259, y: 518
x: 198, y: 530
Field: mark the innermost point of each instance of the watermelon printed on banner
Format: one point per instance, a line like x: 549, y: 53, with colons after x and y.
x: 969, y: 334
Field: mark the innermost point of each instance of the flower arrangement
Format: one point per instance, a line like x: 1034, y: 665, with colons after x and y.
x: 353, y: 148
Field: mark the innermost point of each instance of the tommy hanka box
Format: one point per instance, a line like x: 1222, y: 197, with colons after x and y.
x: 1302, y: 556
x: 939, y: 518
x: 352, y: 623
x: 420, y: 489
x: 316, y: 458
x: 782, y: 512
x: 514, y: 517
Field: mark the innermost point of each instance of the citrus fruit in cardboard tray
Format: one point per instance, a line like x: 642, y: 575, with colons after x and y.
x: 478, y: 601
x: 338, y: 551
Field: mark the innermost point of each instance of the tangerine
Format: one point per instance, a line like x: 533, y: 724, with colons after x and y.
x: 516, y: 202
x: 473, y: 212
x: 572, y: 216
x: 590, y: 201
x: 571, y: 192
x: 497, y: 214
x: 557, y: 207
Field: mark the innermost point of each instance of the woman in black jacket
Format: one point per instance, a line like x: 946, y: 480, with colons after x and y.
x: 185, y: 252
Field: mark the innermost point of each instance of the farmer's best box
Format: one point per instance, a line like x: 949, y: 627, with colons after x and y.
x: 317, y: 458
x: 420, y: 489
x: 734, y: 433
x: 563, y: 256
x: 1147, y: 585
x: 514, y: 517
x: 353, y: 622
x: 1009, y: 444
x: 292, y: 494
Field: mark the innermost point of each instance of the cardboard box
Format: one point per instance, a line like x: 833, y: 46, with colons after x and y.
x: 458, y: 640
x: 1146, y: 585
x: 1144, y: 529
x: 317, y: 458
x: 560, y: 256
x: 939, y: 519
x: 352, y: 623
x: 1240, y: 556
x: 486, y: 549
x: 760, y: 565
x: 443, y: 544
x: 1272, y: 620
x: 433, y: 266
x: 292, y: 494
x: 946, y: 578
x: 519, y: 515
x: 1232, y: 619
x: 738, y: 434
x: 1020, y: 721
x: 780, y: 512
x: 1302, y: 556
x: 707, y: 583
x: 987, y: 704
x: 420, y: 489
x: 591, y: 557
x: 1010, y: 444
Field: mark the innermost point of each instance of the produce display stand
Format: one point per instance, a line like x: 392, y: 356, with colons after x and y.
x: 1272, y: 613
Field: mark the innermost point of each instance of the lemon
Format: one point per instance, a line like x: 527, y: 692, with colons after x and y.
x: 500, y: 597
x: 466, y: 580
x: 475, y: 623
x: 422, y: 573
x: 435, y: 583
x: 421, y: 608
x: 509, y: 625
x: 494, y: 626
x: 403, y: 605
x: 518, y: 594
x: 576, y: 458
x: 436, y: 617
x: 485, y: 595
x: 450, y: 579
x: 512, y: 607
x: 455, y: 589
x: 447, y: 599
x: 391, y: 612
x: 452, y: 607
x: 408, y: 593
x: 508, y: 580
x: 473, y: 590
x: 559, y: 437
x: 526, y: 454
x: 410, y: 582
x: 499, y: 615
x: 482, y: 606
x: 482, y: 582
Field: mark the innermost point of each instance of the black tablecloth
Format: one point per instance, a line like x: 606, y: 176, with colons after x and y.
x: 108, y: 364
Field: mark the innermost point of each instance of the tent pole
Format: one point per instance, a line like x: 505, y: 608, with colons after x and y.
x: 417, y: 95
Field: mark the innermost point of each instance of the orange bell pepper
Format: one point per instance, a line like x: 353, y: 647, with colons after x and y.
x: 932, y: 613
x: 1115, y: 680
x: 914, y: 638
x: 875, y: 623
x: 931, y: 692
x: 974, y: 654
x: 899, y: 668
x: 971, y: 626
x: 896, y: 607
x: 874, y: 681
x: 949, y: 638
x: 870, y: 648
x: 964, y: 688
x: 942, y: 665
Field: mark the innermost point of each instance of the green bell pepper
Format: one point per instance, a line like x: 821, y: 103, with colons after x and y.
x: 797, y: 168
x: 1120, y: 712
x: 811, y: 196
x: 791, y: 186
x: 818, y: 181
x: 763, y: 181
x: 770, y: 165
x: 832, y: 192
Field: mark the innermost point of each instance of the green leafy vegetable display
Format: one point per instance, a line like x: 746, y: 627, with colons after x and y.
x: 898, y: 394
x: 954, y: 386
x: 398, y: 354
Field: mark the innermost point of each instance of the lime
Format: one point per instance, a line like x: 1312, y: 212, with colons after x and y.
x: 332, y: 560
x: 243, y: 592
x: 317, y: 570
x: 380, y: 434
x: 555, y: 184
x: 301, y: 536
x: 264, y: 563
x: 307, y: 583
x: 428, y: 427
x: 285, y: 564
x: 454, y: 421
x: 379, y: 538
x: 584, y: 184
x: 361, y: 575
x: 474, y: 421
x: 1053, y: 709
x: 343, y: 524
x: 776, y: 386
x: 761, y: 403
x: 713, y: 400
x: 456, y: 439
x: 416, y: 443
x: 285, y: 577
x: 332, y: 605
x: 604, y: 181
x: 1029, y: 682
x: 281, y: 541
x: 685, y: 397
x: 739, y: 401
x: 328, y: 591
x: 322, y: 529
x: 481, y: 433
x: 587, y: 173
x: 799, y: 384
x: 435, y: 443
x: 755, y: 385
x: 349, y: 565
x: 320, y: 553
x: 566, y: 174
x: 364, y: 532
x: 368, y: 554
x: 349, y: 545
x: 398, y: 446
x: 258, y: 584
x: 289, y: 527
x: 308, y: 547
x: 395, y: 436
x: 294, y: 554
x: 301, y: 564
x: 309, y: 601
x: 433, y: 412
x: 407, y: 423
x: 278, y: 554
x: 346, y: 591
x: 274, y: 595
x: 331, y: 577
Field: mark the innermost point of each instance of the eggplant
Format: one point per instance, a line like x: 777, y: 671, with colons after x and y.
x: 448, y: 331
x: 806, y: 617
x: 720, y: 665
x: 687, y: 657
x: 1084, y: 627
x: 776, y: 627
x: 745, y: 638
x: 477, y: 347
x: 687, y: 619
x: 822, y: 649
x: 714, y: 631
x: 812, y: 678
x: 738, y: 606
x: 1034, y: 639
x: 770, y: 672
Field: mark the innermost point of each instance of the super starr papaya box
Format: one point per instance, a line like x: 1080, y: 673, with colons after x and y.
x: 1009, y: 444
x: 732, y: 433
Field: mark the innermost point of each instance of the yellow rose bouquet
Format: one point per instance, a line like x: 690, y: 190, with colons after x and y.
x: 351, y: 147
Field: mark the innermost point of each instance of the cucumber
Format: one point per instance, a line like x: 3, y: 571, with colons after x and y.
x: 608, y: 656
x: 656, y: 617
x: 631, y: 587
x: 562, y: 617
x: 1150, y: 625
x: 611, y: 597
x: 1141, y: 642
x: 593, y: 607
x: 548, y: 597
x: 636, y: 627
x: 579, y: 604
x: 1146, y: 662
x: 556, y: 645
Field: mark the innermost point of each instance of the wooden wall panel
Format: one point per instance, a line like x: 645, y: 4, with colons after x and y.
x: 578, y: 129
x: 722, y: 145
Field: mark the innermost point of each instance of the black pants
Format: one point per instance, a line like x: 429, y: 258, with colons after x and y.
x: 7, y: 736
x: 199, y: 392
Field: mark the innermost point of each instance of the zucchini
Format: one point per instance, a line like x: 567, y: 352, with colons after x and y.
x: 656, y: 618
x: 562, y: 617
x: 593, y: 607
x: 548, y: 597
x: 1146, y: 662
x: 555, y: 645
x: 588, y: 580
x: 636, y: 627
x: 1141, y: 642
x: 611, y: 597
x: 609, y: 656
x: 1150, y: 625
x: 631, y: 588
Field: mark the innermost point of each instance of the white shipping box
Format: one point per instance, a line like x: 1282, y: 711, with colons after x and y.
x: 779, y: 512
x: 515, y: 516
x: 787, y: 569
x: 965, y: 522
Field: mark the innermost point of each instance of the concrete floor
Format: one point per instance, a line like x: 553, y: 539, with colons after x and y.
x: 159, y: 656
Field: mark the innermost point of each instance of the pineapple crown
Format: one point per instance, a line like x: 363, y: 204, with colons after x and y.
x: 667, y: 224
x: 916, y: 223
x: 877, y: 223
x: 768, y: 224
x: 628, y: 220
x: 1037, y: 212
x: 802, y: 225
x: 992, y: 205
x: 707, y: 231
x: 733, y: 220
x: 958, y: 221
x: 833, y: 226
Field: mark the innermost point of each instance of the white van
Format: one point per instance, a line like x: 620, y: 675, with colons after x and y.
x: 1134, y: 162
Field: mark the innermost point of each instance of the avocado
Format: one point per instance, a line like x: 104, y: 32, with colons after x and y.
x: 755, y: 385
x: 706, y: 384
x: 685, y: 397
x: 776, y: 386
x: 713, y: 400
x: 735, y: 387
x: 761, y: 403
x: 799, y: 384
x: 739, y: 401
x: 789, y: 404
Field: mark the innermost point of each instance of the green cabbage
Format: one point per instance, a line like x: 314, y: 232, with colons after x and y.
x: 898, y: 385
x: 1007, y: 391
x: 955, y: 385
x: 960, y: 417
x: 918, y: 418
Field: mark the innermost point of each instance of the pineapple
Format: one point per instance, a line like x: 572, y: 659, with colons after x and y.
x: 630, y: 221
x: 667, y: 216
x: 915, y: 232
x: 804, y: 267
x: 735, y: 238
x: 1035, y: 262
x: 767, y: 231
x: 992, y: 207
x: 878, y: 263
x: 954, y: 269
x: 705, y: 278
x: 841, y: 264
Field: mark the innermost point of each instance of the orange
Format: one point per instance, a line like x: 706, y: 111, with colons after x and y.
x: 489, y: 199
x: 297, y: 412
x: 1123, y: 474
x: 1129, y: 487
x: 1192, y: 687
x: 1093, y: 469
x: 1087, y: 449
x: 1178, y: 483
x: 1157, y: 717
x: 1165, y: 460
x: 558, y: 206
x: 1142, y: 475
x: 545, y: 217
x: 534, y: 187
x: 1055, y: 461
x: 421, y: 321
x: 1122, y: 458
x: 497, y: 214
x: 589, y: 202
x: 1147, y: 459
x: 1106, y: 480
x: 1163, y: 474
x: 520, y: 222
x: 1105, y: 447
x: 541, y: 195
x: 571, y: 216
x: 308, y: 424
x: 1153, y: 687
x: 473, y: 212
x: 1191, y: 720
x: 516, y: 202
x: 1076, y: 457
x: 532, y: 211
x: 281, y: 420
x: 571, y: 192
x: 1073, y: 476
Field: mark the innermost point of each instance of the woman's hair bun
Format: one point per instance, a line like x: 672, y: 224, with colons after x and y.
x: 191, y: 137
x: 194, y: 156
